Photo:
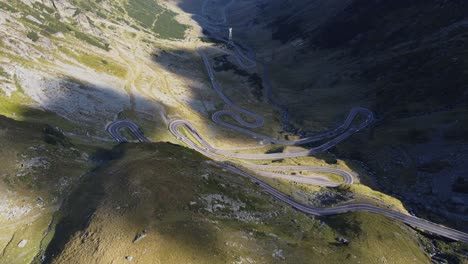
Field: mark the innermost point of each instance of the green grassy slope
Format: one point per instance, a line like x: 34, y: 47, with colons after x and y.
x: 195, y: 213
x: 38, y: 168
x: 152, y: 16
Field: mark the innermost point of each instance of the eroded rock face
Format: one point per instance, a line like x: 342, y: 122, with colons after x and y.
x: 10, y: 211
x: 216, y: 202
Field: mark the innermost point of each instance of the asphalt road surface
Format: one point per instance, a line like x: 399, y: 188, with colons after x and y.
x: 115, y: 127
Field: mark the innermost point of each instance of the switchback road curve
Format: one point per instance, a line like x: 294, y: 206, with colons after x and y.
x: 176, y: 124
x: 114, y: 129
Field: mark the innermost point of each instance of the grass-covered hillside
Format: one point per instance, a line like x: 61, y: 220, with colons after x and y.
x: 49, y: 18
x: 64, y: 202
x: 185, y: 210
x: 39, y: 167
x: 152, y: 16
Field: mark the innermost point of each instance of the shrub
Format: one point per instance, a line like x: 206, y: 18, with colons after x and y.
x: 156, y: 18
x: 92, y: 40
x: 3, y: 73
x: 8, y: 8
x: 32, y: 36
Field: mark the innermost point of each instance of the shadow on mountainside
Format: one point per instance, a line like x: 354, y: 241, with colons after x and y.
x: 46, y: 152
x: 187, y: 66
x: 82, y: 112
x: 83, y: 109
x: 135, y: 190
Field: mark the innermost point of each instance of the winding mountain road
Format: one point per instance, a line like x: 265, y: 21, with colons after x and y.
x: 114, y: 130
x: 353, y: 207
x: 222, y: 158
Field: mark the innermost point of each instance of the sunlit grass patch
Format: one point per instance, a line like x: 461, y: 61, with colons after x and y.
x: 97, y: 63
x: 156, y: 18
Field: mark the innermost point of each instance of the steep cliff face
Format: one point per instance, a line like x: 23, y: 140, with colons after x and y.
x: 405, y: 60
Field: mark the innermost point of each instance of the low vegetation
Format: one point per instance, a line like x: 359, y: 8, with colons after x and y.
x: 32, y: 36
x: 38, y: 167
x: 50, y: 22
x: 96, y: 62
x: 4, y: 74
x: 156, y: 18
x: 194, y: 212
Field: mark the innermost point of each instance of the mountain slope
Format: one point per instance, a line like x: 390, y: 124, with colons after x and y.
x: 191, y: 211
x: 39, y: 167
